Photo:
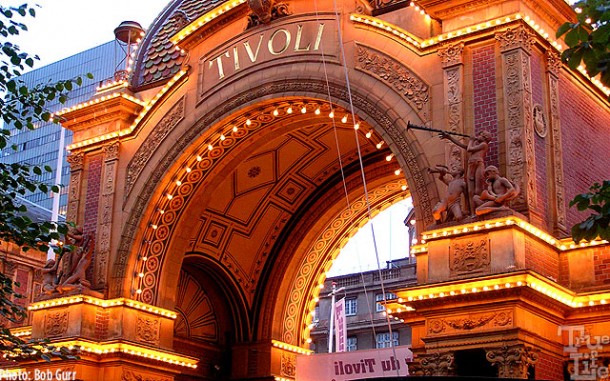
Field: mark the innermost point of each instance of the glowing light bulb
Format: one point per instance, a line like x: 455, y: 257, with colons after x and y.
x: 344, y: 119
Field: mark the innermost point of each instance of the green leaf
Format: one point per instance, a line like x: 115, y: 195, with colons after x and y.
x: 563, y: 29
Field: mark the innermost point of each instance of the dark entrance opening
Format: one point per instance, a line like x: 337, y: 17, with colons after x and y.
x: 473, y: 362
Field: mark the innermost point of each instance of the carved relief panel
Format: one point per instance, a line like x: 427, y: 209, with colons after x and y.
x: 469, y: 256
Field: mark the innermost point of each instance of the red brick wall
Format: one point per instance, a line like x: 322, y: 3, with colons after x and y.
x: 585, y: 129
x: 484, y: 97
x: 601, y: 263
x: 540, y: 258
x: 92, y: 197
x: 549, y: 368
x: 102, y: 319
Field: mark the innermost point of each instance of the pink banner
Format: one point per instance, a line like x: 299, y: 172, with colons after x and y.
x: 385, y: 362
x: 340, y: 326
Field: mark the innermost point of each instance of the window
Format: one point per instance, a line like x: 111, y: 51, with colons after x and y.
x: 351, y: 307
x: 379, y: 297
x: 352, y: 343
x: 383, y: 340
x: 316, y: 314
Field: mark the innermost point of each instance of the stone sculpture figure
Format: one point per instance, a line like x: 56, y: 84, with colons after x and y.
x: 450, y: 207
x: 477, y: 148
x: 499, y: 192
x: 49, y: 276
x: 69, y: 271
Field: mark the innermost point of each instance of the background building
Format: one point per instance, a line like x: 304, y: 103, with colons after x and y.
x: 45, y: 145
x: 367, y: 324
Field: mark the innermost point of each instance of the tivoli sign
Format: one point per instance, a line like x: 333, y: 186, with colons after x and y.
x: 289, y: 42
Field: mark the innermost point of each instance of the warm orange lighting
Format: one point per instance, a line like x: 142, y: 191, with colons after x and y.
x: 291, y: 348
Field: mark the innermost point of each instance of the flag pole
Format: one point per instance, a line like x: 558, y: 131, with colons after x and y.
x: 332, y: 315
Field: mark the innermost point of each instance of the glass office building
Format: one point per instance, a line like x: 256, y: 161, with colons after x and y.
x: 43, y: 145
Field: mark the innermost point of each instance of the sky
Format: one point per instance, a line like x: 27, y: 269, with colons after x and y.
x: 63, y: 28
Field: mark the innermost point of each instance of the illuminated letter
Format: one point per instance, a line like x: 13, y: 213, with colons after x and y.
x: 235, y: 58
x: 284, y: 48
x: 253, y: 56
x: 218, y: 59
x: 297, y: 42
x: 319, y: 37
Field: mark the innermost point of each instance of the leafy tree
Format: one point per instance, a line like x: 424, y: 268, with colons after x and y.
x: 588, y: 39
x: 23, y: 107
x: 597, y: 225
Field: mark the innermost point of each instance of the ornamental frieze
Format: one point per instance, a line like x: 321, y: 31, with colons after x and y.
x: 502, y: 319
x: 410, y: 87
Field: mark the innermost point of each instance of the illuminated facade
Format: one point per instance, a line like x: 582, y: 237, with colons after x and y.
x: 220, y: 182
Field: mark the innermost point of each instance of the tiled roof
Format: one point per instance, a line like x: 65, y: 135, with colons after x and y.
x: 158, y: 60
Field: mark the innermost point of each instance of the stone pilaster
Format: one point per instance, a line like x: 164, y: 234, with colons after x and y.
x: 515, y: 45
x: 512, y: 361
x: 75, y: 160
x: 108, y: 188
x: 557, y: 192
x: 453, y: 81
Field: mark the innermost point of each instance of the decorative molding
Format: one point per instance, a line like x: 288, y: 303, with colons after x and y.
x: 147, y: 330
x: 56, y: 323
x: 173, y: 117
x: 512, y: 361
x: 451, y: 54
x: 469, y: 256
x: 410, y: 87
